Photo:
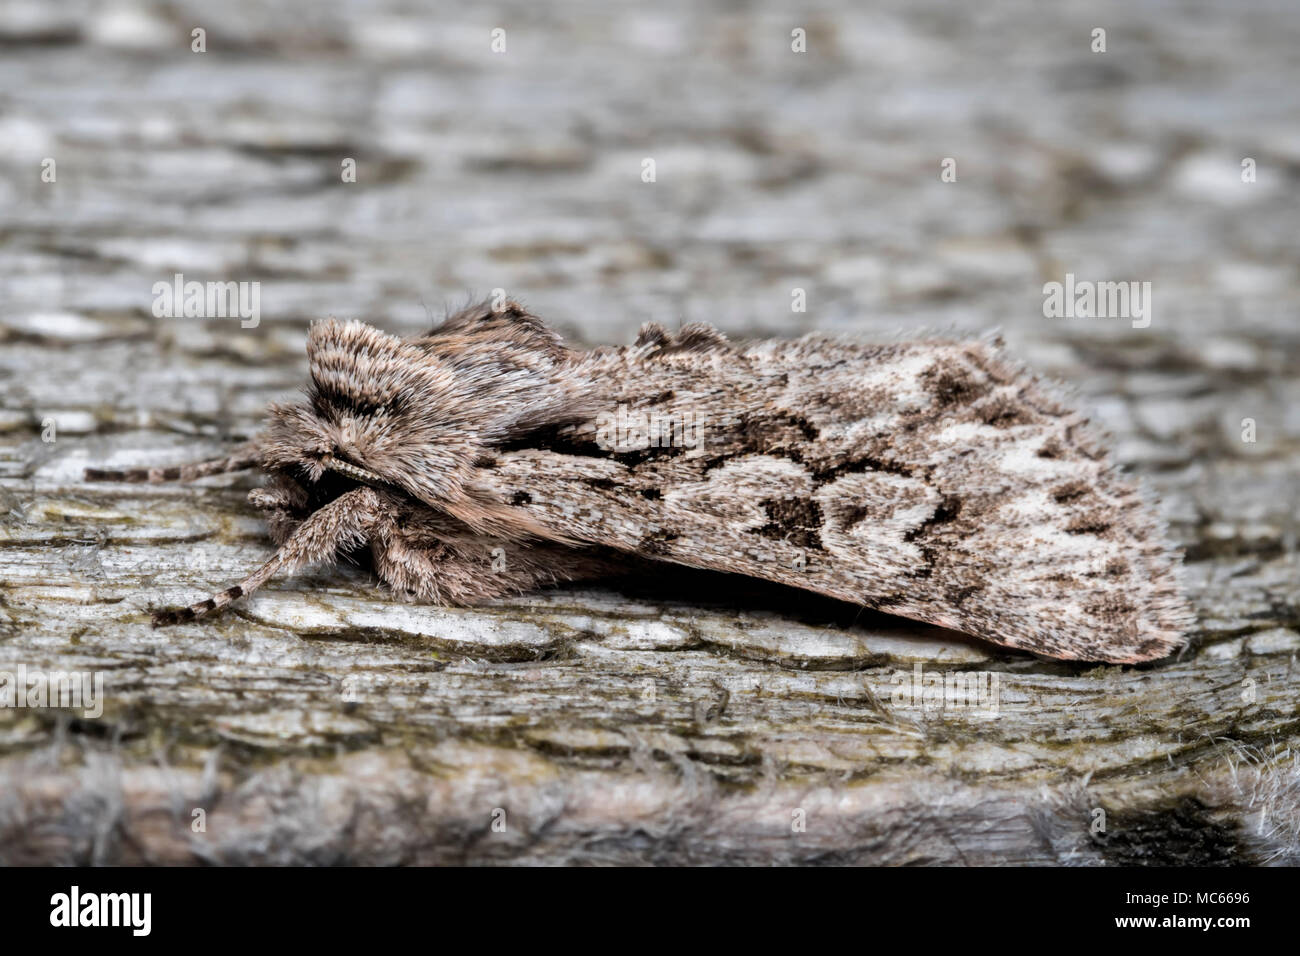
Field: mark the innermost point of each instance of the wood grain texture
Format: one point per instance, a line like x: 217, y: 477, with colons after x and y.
x: 700, y: 719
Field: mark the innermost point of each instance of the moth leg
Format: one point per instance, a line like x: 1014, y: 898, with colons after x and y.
x: 465, y: 569
x: 283, y: 504
x: 241, y: 459
x: 343, y: 524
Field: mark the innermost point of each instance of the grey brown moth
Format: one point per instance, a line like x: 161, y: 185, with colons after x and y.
x: 934, y: 479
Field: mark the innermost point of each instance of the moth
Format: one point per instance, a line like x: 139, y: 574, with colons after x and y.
x: 933, y: 479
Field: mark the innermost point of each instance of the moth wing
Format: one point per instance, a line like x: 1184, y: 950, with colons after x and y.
x: 934, y: 480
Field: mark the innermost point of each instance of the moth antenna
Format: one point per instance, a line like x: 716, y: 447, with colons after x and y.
x: 240, y: 460
x: 355, y: 472
x: 340, y: 525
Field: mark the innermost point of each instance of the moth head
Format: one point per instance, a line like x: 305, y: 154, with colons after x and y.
x: 376, y: 412
x: 404, y: 414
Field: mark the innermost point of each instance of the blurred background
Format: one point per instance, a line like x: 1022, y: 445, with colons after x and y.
x: 522, y: 167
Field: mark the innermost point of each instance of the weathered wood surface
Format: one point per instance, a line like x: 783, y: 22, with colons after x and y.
x: 698, y: 723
